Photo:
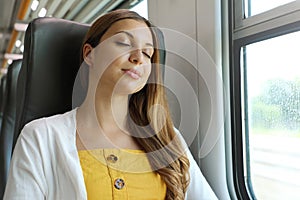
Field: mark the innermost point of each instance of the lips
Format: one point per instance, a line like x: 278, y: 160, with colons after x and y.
x: 133, y: 73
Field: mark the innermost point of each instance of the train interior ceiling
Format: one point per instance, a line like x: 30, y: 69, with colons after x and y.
x: 16, y: 14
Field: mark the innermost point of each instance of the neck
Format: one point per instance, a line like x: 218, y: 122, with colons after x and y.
x: 112, y: 112
x: 101, y: 121
x: 108, y: 110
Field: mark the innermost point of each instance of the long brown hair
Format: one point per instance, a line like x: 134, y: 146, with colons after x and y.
x: 149, y: 116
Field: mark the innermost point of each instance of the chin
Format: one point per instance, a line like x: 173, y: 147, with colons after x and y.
x: 128, y: 88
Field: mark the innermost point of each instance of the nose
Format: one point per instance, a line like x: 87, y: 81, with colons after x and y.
x: 136, y: 57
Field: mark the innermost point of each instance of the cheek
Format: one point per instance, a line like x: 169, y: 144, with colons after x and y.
x: 148, y: 69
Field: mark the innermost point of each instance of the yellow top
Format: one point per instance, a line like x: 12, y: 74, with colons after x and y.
x: 120, y: 174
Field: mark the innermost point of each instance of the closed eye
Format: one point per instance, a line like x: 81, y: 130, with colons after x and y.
x: 147, y: 55
x: 123, y: 44
x: 148, y: 52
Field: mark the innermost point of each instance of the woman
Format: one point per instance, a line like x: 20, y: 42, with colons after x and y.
x: 120, y: 143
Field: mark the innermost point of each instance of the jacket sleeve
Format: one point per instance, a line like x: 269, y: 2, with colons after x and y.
x: 26, y: 179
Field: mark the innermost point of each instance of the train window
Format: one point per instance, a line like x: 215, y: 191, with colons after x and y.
x: 254, y: 7
x: 264, y: 85
x: 271, y: 106
x: 141, y: 8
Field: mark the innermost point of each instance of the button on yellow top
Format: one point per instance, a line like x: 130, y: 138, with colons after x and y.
x: 112, y: 158
x: 120, y: 174
x: 119, y: 183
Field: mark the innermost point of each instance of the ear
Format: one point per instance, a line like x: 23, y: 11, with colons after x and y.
x: 87, y: 54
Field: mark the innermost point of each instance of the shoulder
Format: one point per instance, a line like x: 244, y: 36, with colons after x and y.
x: 66, y: 118
x: 46, y: 126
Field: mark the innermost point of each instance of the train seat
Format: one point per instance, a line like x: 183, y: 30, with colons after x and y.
x: 51, y: 60
x: 8, y: 122
x: 2, y: 97
x: 50, y: 64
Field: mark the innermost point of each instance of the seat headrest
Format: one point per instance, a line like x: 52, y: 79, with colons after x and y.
x: 51, y: 60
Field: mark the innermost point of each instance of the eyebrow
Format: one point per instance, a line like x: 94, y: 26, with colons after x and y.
x: 130, y: 35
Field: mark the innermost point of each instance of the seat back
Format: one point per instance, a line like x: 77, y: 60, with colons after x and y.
x: 50, y: 64
x: 2, y: 97
x: 8, y: 122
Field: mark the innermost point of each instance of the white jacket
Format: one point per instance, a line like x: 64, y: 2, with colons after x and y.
x: 45, y: 164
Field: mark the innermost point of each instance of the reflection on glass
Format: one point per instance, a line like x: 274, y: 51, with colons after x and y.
x: 254, y: 7
x: 272, y: 117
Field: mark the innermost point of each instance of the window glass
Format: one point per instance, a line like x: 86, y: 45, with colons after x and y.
x: 272, y: 116
x: 141, y: 9
x: 254, y: 7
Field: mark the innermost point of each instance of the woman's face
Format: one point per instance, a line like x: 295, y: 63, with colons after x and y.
x: 122, y: 60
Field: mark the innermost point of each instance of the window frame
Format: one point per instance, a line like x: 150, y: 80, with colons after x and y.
x: 244, y: 31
